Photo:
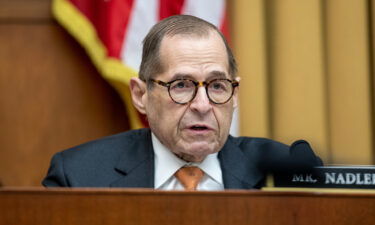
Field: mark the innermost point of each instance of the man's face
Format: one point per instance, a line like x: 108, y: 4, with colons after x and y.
x: 196, y: 129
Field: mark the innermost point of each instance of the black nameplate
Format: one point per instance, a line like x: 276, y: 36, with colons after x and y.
x: 353, y: 177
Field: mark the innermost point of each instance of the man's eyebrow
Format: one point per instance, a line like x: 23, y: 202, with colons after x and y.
x: 215, y: 74
x: 182, y: 76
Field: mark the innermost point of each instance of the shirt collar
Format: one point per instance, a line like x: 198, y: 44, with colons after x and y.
x: 167, y: 163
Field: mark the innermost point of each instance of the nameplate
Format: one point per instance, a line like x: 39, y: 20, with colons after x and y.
x: 353, y: 177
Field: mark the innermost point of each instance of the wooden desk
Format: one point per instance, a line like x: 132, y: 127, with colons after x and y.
x: 39, y: 206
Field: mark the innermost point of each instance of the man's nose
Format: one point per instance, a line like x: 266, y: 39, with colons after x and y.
x: 201, y: 103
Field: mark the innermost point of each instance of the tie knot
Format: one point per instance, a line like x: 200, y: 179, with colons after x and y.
x: 189, y: 177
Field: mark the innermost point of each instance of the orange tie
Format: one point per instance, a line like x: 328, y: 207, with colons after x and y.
x: 189, y: 177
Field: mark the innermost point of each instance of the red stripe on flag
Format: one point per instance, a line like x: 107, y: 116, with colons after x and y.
x: 110, y: 19
x: 169, y: 8
x: 224, y: 26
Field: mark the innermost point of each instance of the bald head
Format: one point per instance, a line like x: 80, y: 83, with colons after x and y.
x: 182, y: 25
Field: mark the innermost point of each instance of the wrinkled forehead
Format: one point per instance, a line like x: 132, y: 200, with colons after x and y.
x: 211, y: 42
x: 197, y: 34
x: 191, y: 53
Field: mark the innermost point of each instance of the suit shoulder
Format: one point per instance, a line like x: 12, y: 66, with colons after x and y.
x: 261, y: 149
x: 93, y: 164
x: 275, y: 156
x: 247, y: 144
x: 111, y: 145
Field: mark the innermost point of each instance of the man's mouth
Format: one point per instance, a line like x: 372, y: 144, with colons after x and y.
x: 198, y: 127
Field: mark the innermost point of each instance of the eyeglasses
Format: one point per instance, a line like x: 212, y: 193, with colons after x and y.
x: 182, y: 91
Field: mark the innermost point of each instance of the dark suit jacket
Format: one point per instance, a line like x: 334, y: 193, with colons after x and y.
x: 127, y: 160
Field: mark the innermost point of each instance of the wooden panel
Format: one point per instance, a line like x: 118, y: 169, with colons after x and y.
x: 248, y: 32
x: 349, y: 82
x: 114, y: 207
x: 25, y: 10
x: 51, y: 98
x: 297, y: 73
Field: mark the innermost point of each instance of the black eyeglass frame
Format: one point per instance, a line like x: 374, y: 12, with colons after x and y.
x: 197, y: 85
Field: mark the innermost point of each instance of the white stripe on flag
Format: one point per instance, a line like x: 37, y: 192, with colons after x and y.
x: 144, y: 15
x: 235, y: 126
x: 209, y: 10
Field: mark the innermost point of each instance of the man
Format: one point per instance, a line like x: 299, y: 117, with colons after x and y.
x: 188, y: 89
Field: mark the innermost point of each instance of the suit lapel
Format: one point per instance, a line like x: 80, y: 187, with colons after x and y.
x: 136, y: 165
x: 239, y: 172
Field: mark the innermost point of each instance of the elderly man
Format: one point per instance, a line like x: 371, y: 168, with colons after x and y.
x: 188, y: 89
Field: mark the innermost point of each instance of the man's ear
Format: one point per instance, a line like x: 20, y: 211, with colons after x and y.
x: 235, y: 94
x: 138, y: 91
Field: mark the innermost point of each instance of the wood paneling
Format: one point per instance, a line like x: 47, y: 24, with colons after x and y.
x: 307, y: 72
x: 51, y: 97
x: 349, y: 86
x: 115, y: 207
x: 26, y: 10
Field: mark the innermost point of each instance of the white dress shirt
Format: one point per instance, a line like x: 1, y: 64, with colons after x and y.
x: 167, y: 163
